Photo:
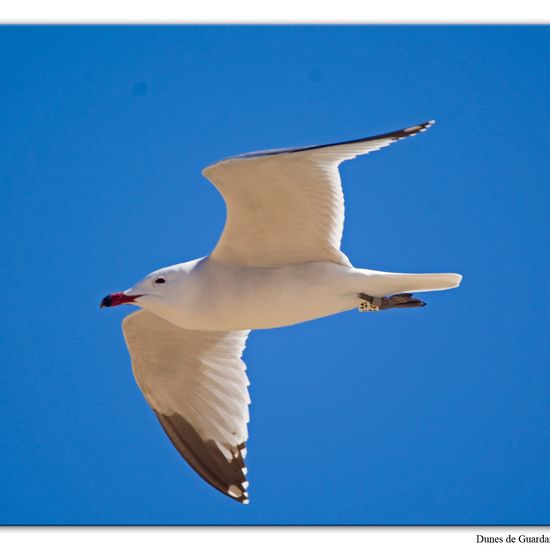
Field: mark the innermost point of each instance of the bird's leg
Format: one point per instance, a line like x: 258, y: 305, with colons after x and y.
x: 374, y: 303
x: 369, y: 303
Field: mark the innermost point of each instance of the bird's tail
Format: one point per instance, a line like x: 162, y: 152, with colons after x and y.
x: 386, y: 284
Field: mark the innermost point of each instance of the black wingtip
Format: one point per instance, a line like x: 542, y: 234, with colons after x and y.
x: 409, y: 131
x: 395, y: 135
x: 206, y: 458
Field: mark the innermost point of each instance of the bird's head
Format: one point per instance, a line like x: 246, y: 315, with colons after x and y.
x: 145, y: 293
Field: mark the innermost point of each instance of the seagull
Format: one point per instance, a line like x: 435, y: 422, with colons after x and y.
x: 277, y: 263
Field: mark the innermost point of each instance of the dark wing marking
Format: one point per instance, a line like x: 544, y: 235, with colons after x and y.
x: 196, y: 384
x: 206, y: 458
x: 287, y: 206
x: 395, y: 135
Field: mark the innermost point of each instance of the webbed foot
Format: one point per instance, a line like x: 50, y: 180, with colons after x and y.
x: 375, y: 303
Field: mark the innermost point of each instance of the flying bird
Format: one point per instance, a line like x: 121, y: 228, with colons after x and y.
x: 277, y: 263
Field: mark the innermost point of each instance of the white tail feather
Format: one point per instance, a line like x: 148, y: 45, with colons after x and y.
x: 387, y: 284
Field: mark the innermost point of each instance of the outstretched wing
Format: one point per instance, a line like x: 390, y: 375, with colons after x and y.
x: 195, y: 382
x: 286, y: 206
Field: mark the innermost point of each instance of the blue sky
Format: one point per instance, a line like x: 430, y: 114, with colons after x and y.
x: 431, y: 416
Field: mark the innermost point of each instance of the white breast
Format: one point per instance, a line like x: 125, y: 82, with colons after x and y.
x: 221, y: 297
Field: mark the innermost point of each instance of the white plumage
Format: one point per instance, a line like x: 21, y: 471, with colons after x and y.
x: 286, y: 207
x: 197, y: 374
x: 278, y: 262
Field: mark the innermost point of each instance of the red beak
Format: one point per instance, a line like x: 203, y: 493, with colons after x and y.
x: 117, y: 299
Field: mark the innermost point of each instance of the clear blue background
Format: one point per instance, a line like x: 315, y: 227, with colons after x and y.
x: 428, y: 416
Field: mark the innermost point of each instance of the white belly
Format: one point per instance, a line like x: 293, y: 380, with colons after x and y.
x: 218, y: 297
x: 207, y: 295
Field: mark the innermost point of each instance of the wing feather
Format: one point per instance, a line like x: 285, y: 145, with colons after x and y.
x: 196, y: 384
x: 287, y: 206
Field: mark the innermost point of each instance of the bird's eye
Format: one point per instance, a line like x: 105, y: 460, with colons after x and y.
x: 160, y: 280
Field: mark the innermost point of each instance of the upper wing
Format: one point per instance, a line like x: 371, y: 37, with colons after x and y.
x: 196, y: 384
x: 286, y: 206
